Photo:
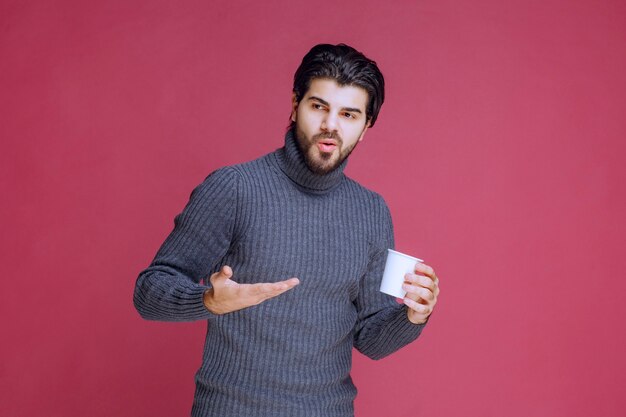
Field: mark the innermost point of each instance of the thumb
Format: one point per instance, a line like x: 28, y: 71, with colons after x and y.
x: 221, y: 276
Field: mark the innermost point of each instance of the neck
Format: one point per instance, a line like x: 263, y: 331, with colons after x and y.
x: 292, y: 163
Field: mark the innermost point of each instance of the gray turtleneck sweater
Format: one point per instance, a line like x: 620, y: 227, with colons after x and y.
x: 272, y: 219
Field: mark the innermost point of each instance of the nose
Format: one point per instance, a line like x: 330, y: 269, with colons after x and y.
x: 330, y: 122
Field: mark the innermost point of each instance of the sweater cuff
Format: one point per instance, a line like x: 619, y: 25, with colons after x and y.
x: 181, y: 300
x: 402, y: 329
x: 389, y: 333
x: 194, y: 303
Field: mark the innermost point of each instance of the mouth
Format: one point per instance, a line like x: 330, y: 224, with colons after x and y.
x: 327, y: 145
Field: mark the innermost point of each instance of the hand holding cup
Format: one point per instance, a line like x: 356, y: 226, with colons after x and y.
x: 416, y: 283
x: 422, y: 290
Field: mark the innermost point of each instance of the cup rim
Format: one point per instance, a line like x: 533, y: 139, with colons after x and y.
x: 405, y: 255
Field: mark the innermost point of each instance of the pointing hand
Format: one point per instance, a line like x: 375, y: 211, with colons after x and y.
x: 225, y: 295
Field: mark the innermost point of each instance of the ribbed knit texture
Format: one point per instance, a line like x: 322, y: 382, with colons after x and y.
x: 272, y: 219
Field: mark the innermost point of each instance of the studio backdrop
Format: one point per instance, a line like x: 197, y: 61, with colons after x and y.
x: 499, y: 150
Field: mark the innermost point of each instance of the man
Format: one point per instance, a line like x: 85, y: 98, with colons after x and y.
x: 294, y: 251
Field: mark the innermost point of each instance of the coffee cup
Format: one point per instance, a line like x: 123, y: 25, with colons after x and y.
x: 397, y: 265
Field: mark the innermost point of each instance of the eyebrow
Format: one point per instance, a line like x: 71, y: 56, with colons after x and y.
x: 325, y: 103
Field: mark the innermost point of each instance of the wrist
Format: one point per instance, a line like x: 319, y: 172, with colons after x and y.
x: 207, y: 299
x: 410, y: 317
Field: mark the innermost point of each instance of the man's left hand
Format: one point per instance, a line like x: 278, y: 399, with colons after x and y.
x: 422, y: 290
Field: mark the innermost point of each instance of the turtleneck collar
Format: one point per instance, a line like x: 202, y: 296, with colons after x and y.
x: 291, y: 161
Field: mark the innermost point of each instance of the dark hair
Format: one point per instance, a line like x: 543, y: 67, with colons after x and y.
x: 346, y: 66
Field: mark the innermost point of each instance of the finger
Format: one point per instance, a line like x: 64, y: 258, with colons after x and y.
x: 421, y: 280
x: 422, y: 268
x: 290, y: 283
x: 221, y: 276
x: 263, y: 291
x: 424, y: 309
x: 281, y: 287
x: 415, y: 292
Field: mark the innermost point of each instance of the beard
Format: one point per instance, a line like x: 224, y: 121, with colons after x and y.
x: 321, y: 163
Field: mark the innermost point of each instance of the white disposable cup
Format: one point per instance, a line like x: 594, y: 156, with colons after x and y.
x: 398, y: 264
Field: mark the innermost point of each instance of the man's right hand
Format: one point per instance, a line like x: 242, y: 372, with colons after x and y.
x: 225, y: 295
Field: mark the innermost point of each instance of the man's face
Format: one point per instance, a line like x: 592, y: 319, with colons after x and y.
x: 330, y: 120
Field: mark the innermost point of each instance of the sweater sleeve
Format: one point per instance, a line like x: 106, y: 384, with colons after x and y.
x: 170, y: 288
x: 382, y: 324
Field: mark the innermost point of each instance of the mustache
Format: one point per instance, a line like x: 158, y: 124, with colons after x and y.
x: 328, y: 135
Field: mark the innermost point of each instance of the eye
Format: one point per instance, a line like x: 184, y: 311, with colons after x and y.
x: 349, y: 116
x: 317, y: 106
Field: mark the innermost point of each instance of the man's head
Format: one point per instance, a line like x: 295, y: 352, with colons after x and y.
x: 337, y: 95
x: 346, y: 66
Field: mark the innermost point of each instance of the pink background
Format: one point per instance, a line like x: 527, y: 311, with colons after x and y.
x: 500, y: 150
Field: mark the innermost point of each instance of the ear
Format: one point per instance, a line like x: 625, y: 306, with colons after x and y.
x: 367, y: 125
x: 294, y: 107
